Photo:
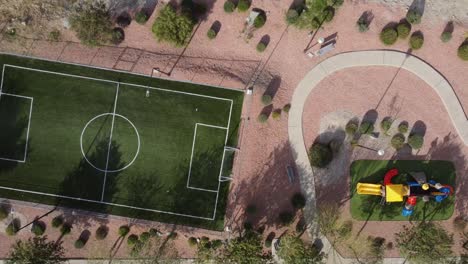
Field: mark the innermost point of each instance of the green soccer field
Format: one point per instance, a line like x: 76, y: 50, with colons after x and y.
x: 114, y: 142
x: 368, y: 207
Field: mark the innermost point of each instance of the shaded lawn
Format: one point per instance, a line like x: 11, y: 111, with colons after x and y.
x: 368, y: 207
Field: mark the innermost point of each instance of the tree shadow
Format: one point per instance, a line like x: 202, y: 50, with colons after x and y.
x: 274, y: 84
x: 200, y: 9
x: 138, y: 197
x: 13, y: 132
x: 418, y: 6
x: 419, y: 128
x: 449, y: 27
x: 266, y: 40
x: 451, y: 148
x: 367, y: 17
x: 148, y: 7
x: 270, y: 189
x: 370, y: 116
x: 267, y: 110
x: 216, y: 26
x: 84, y: 236
x: 297, y: 5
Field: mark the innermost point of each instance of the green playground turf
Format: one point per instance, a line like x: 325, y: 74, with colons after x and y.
x: 137, y: 159
x: 368, y: 207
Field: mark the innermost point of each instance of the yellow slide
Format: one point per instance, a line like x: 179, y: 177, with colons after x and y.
x: 369, y: 188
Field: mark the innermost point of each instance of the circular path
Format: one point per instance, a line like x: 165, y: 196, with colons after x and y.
x: 355, y: 59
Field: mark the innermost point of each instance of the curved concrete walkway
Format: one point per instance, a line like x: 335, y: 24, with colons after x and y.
x: 353, y: 59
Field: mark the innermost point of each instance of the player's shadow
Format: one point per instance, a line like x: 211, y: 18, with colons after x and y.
x: 86, y: 182
x: 13, y: 132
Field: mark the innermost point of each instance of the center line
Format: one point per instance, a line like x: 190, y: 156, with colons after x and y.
x: 110, y: 143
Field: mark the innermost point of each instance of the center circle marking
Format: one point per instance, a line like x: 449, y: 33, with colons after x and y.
x: 115, y: 115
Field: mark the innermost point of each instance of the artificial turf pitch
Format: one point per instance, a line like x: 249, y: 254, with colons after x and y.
x: 108, y: 143
x: 368, y: 207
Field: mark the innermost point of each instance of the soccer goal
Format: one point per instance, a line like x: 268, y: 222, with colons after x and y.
x: 229, y: 155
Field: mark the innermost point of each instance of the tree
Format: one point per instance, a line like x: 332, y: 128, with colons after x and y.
x: 293, y: 250
x: 320, y: 155
x: 424, y: 243
x: 245, y: 249
x: 92, y: 23
x: 173, y: 27
x: 36, y: 250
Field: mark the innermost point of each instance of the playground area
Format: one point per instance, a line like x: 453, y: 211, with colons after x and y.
x: 370, y: 202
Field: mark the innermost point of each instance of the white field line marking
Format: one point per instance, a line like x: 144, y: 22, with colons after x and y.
x: 115, y: 82
x: 1, y: 85
x: 106, y: 203
x: 20, y: 96
x: 27, y: 132
x: 31, y: 100
x: 191, y: 156
x: 110, y: 143
x: 20, y: 161
x: 113, y: 70
x: 219, y: 182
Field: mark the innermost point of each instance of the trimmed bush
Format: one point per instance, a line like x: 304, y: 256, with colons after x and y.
x: 141, y: 17
x: 366, y: 127
x: 398, y: 141
x: 79, y: 243
x: 216, y: 244
x: 251, y: 209
x: 266, y: 99
x: 320, y: 155
x: 57, y: 221
x: 211, y: 34
x: 262, y: 118
x: 229, y: 6
x: 204, y: 239
x: 446, y: 36
x: 243, y: 5
x: 292, y: 16
x: 92, y: 23
x: 388, y: 36
x: 276, y: 115
x: 145, y: 236
x: 286, y: 218
x: 286, y: 108
x: 259, y: 21
x: 192, y: 241
x: 123, y: 230
x: 132, y: 239
x: 403, y: 128
x: 403, y: 30
x: 298, y: 201
x: 172, y: 235
x: 329, y: 13
x: 315, y: 23
x: 362, y: 25
x: 463, y: 51
x: 12, y: 228
x: 261, y: 47
x: 351, y: 128
x: 345, y: 229
x: 416, y: 41
x: 118, y: 35
x: 38, y: 228
x: 101, y: 232
x: 415, y: 141
x: 386, y: 124
x: 55, y: 35
x: 3, y: 213
x: 65, y: 229
x: 413, y: 16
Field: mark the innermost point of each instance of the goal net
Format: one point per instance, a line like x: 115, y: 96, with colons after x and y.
x: 228, y: 163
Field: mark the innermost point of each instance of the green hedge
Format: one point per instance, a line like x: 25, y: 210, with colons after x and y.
x: 403, y: 30
x: 416, y: 41
x: 229, y: 6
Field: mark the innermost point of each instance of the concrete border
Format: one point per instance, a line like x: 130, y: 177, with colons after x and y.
x: 355, y: 59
